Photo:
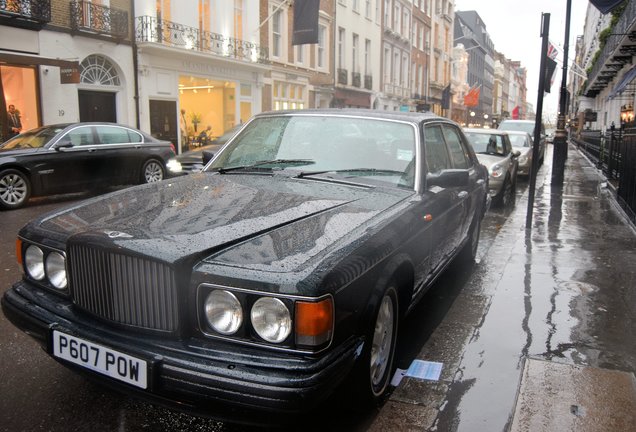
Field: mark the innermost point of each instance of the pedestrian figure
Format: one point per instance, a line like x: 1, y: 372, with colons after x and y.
x: 13, y: 118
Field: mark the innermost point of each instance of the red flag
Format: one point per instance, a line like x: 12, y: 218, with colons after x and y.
x: 515, y: 113
x: 472, y: 97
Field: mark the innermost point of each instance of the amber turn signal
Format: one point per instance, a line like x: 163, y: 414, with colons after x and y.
x: 18, y: 250
x: 314, y: 322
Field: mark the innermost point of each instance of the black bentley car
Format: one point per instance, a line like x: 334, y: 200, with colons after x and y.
x: 263, y: 282
x: 72, y: 157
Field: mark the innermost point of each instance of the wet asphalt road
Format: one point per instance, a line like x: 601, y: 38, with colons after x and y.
x: 38, y: 394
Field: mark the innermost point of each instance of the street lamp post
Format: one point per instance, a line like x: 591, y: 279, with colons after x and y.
x: 560, y: 151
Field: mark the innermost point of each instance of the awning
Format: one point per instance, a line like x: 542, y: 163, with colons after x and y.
x: 624, y: 81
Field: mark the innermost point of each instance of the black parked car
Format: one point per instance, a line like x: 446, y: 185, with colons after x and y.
x: 78, y: 156
x: 266, y: 280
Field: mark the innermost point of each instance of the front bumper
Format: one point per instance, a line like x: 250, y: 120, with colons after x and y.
x: 211, y: 378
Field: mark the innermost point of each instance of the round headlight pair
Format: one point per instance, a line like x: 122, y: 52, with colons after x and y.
x: 38, y: 268
x: 270, y: 317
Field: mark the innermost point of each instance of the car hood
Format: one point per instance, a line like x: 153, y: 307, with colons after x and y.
x: 489, y: 160
x: 204, y: 213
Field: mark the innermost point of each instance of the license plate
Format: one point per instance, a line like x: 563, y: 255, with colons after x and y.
x: 101, y: 359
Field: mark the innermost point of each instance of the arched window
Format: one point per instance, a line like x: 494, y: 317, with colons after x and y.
x: 97, y: 70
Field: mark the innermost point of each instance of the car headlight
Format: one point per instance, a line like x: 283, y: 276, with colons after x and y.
x: 56, y: 270
x: 271, y: 319
x: 174, y: 166
x: 34, y: 262
x: 223, y: 312
x: 496, y: 171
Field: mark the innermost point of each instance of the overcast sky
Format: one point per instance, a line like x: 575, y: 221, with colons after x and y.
x: 515, y: 29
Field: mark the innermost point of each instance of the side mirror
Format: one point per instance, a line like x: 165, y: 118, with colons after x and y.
x: 63, y: 144
x: 207, y: 156
x: 516, y: 153
x: 448, y: 178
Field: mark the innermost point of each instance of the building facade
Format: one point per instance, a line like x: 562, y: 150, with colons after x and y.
x: 67, y: 61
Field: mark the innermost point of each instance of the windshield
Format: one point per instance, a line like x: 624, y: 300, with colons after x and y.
x: 519, y: 140
x: 486, y: 143
x: 34, y: 138
x: 517, y: 126
x: 369, y: 149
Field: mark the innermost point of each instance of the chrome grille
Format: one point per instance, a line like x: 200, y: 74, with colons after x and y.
x: 123, y: 289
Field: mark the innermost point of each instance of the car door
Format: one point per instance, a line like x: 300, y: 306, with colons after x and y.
x: 444, y: 207
x: 471, y: 196
x: 72, y: 161
x: 121, y: 152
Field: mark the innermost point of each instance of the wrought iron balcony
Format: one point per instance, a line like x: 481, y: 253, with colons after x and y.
x: 355, y: 79
x: 168, y: 33
x: 25, y: 13
x: 98, y: 19
x: 368, y: 82
x: 342, y: 76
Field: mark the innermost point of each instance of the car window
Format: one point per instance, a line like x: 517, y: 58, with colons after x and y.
x: 519, y: 140
x: 459, y: 154
x: 34, y: 138
x: 327, y: 143
x: 112, y: 135
x: 487, y: 143
x: 79, y: 136
x: 437, y: 157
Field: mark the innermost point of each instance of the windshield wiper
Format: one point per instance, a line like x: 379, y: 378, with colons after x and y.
x: 268, y: 162
x: 350, y: 170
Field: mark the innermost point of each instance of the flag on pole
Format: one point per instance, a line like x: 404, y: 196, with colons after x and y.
x: 472, y: 97
x: 305, y: 29
x: 446, y: 97
x: 552, y: 51
x: 515, y: 113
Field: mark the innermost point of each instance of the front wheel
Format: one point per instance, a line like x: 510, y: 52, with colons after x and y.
x: 152, y: 171
x: 375, y: 366
x: 15, y: 189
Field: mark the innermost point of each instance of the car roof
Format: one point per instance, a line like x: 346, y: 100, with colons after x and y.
x: 517, y: 133
x: 486, y: 131
x: 414, y: 117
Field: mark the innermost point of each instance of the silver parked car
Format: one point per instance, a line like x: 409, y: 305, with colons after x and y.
x: 522, y: 142
x: 526, y: 126
x: 494, y: 151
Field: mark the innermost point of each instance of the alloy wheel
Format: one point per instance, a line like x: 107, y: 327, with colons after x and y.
x: 153, y: 172
x: 13, y: 189
x: 382, y: 346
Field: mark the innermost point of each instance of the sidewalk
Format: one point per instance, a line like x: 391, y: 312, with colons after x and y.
x: 542, y: 336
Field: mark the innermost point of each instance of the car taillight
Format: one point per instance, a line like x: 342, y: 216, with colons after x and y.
x: 173, y: 148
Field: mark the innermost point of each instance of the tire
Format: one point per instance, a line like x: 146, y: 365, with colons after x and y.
x: 15, y: 189
x: 507, y: 194
x: 469, y: 252
x: 152, y: 171
x: 375, y: 366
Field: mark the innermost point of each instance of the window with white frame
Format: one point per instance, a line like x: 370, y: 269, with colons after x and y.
x: 354, y: 53
x: 406, y: 22
x: 387, y: 13
x: 396, y: 68
x: 396, y: 18
x: 300, y: 54
x: 341, y: 48
x: 287, y: 96
x: 367, y: 9
x: 405, y: 70
x: 356, y: 5
x: 277, y: 36
x: 238, y: 19
x: 387, y: 65
x: 367, y: 57
x: 322, y: 43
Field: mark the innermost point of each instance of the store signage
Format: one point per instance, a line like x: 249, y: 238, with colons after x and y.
x: 70, y: 74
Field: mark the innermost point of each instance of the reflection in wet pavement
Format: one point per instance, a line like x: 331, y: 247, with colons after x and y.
x: 561, y: 292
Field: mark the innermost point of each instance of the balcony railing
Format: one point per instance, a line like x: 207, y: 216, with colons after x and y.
x: 396, y: 90
x: 623, y: 26
x: 34, y: 11
x: 368, y: 82
x: 356, y: 79
x: 150, y: 29
x: 342, y: 76
x: 98, y: 19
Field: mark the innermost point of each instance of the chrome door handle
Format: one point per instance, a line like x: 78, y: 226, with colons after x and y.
x: 462, y: 194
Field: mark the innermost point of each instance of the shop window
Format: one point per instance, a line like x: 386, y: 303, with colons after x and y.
x: 288, y: 96
x: 19, y: 88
